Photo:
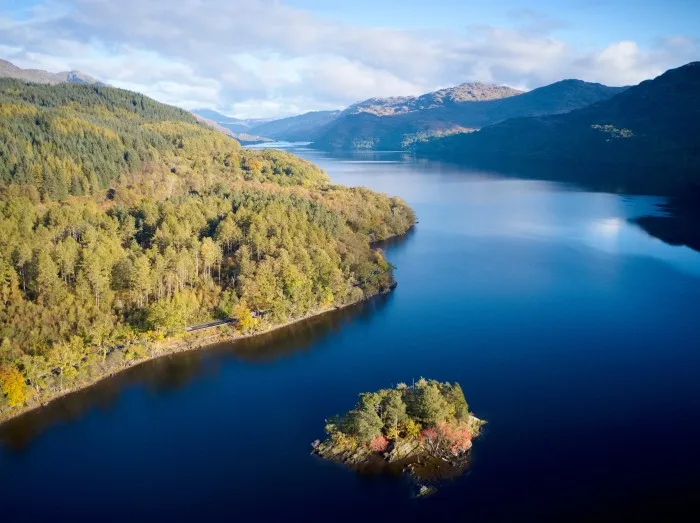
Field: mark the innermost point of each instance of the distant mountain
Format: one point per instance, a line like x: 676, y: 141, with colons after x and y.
x: 467, y: 92
x: 236, y: 125
x: 216, y: 116
x: 231, y: 126
x: 244, y: 138
x: 304, y: 127
x: 400, y: 123
x: 10, y: 70
x: 213, y: 125
x: 646, y: 139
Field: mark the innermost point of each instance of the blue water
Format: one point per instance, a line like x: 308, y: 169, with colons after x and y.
x: 570, y: 329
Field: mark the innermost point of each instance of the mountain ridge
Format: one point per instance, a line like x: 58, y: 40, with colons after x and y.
x: 368, y: 130
x: 10, y: 70
x: 243, y: 137
x: 644, y: 139
x: 462, y: 93
x: 298, y: 128
x: 237, y: 125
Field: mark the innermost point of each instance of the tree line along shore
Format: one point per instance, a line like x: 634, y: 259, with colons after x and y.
x: 124, y: 221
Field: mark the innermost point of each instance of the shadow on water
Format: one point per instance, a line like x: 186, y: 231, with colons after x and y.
x: 299, y: 337
x: 175, y: 371
x: 591, y: 174
x: 680, y: 214
x: 394, y: 241
x: 679, y: 226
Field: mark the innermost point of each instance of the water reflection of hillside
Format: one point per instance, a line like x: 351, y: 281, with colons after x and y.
x: 395, y: 241
x: 679, y: 226
x: 298, y: 337
x: 176, y: 371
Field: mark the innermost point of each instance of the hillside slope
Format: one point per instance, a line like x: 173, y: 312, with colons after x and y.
x: 467, y: 92
x: 645, y: 139
x: 236, y: 125
x: 124, y: 220
x: 9, y: 70
x: 401, y: 129
x: 303, y: 127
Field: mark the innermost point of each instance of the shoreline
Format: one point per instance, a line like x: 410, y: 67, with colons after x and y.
x: 194, y: 342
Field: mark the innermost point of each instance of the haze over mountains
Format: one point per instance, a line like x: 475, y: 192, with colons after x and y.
x: 297, y: 128
x: 292, y: 129
x: 237, y: 125
x: 309, y: 126
x: 234, y: 127
x: 397, y: 123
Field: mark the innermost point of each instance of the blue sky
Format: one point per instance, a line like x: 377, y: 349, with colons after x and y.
x: 266, y: 58
x: 585, y: 22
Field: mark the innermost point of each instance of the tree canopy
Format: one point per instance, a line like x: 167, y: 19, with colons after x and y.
x: 125, y: 220
x: 432, y: 412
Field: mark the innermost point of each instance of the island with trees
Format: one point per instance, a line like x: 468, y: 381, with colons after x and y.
x: 424, y: 430
x: 124, y: 221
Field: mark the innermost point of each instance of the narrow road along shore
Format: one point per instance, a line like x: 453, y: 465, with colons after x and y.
x: 210, y: 324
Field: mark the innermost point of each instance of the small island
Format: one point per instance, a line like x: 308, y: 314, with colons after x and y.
x: 424, y: 430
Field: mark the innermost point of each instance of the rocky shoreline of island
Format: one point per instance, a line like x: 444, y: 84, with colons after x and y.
x: 424, y: 431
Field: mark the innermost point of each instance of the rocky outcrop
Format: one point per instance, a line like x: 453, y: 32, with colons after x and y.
x: 467, y: 92
x: 411, y: 456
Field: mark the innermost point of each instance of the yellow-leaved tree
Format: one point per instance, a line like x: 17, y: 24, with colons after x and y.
x: 13, y: 385
x: 246, y: 322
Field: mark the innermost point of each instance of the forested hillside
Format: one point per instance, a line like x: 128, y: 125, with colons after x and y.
x: 124, y: 220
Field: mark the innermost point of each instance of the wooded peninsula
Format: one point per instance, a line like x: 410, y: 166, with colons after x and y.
x: 125, y: 220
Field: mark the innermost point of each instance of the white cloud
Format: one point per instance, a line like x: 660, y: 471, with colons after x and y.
x: 625, y: 63
x: 263, y: 57
x: 338, y: 78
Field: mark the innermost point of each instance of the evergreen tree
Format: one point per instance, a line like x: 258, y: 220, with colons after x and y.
x: 124, y: 220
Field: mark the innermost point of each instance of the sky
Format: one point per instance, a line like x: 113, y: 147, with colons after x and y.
x: 275, y: 58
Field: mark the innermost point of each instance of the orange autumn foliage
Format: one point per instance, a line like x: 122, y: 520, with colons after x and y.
x: 458, y: 436
x: 379, y: 444
x: 446, y: 438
